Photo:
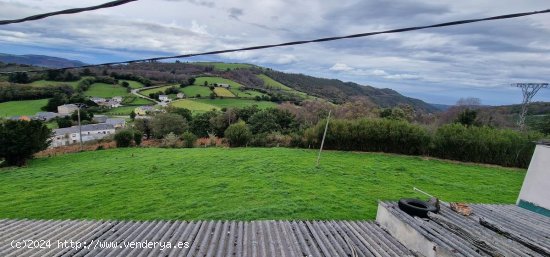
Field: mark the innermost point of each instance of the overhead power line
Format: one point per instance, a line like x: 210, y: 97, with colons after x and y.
x: 68, y: 11
x: 325, y: 39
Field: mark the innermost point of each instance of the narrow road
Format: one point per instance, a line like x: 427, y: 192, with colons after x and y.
x: 136, y: 92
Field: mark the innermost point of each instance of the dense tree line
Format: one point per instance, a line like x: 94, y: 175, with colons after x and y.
x: 14, y: 92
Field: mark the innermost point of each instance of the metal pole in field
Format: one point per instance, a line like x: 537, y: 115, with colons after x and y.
x: 323, y: 140
x: 79, y: 127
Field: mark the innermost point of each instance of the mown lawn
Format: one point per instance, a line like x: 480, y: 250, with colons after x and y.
x: 25, y: 107
x: 241, y: 183
x: 105, y: 90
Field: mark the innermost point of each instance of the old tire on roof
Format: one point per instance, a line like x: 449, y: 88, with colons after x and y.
x: 415, y: 207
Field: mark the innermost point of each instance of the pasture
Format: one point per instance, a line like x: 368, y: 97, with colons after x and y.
x: 193, y: 105
x: 193, y: 91
x: 25, y: 107
x: 106, y: 90
x: 223, y: 92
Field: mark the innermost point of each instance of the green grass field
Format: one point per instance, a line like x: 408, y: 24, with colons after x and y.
x: 134, y: 100
x: 106, y: 90
x: 223, y: 92
x: 269, y: 82
x: 133, y: 84
x: 192, y: 91
x: 246, y: 93
x: 238, y: 183
x: 26, y: 107
x: 193, y: 105
x: 236, y: 103
x: 47, y: 83
x: 154, y: 90
x: 211, y: 80
x: 224, y: 66
x: 123, y: 110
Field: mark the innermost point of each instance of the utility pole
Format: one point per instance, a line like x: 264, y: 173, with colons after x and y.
x: 529, y: 91
x: 323, y: 140
x: 79, y: 105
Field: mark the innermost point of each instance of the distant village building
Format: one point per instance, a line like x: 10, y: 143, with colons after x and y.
x: 110, y: 104
x: 116, y: 122
x: 45, y: 116
x: 71, y: 135
x: 223, y: 85
x: 99, y: 118
x: 117, y: 98
x: 66, y: 109
x: 164, y: 98
x: 143, y: 110
x: 23, y: 117
x: 97, y: 100
x: 180, y: 95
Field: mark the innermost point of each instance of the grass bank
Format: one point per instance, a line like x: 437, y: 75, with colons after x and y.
x: 242, y: 184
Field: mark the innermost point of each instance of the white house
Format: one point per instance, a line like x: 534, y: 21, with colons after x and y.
x: 67, y: 109
x: 180, y: 95
x: 223, y: 85
x: 144, y: 110
x: 71, y: 135
x: 164, y: 98
x: 117, y: 98
x: 117, y: 123
x: 110, y: 104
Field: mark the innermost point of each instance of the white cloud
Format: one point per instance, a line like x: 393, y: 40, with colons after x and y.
x: 340, y: 67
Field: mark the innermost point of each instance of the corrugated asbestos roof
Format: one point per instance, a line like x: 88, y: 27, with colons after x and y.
x: 206, y: 238
x: 532, y: 229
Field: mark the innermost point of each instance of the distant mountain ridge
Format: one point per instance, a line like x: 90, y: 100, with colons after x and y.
x: 39, y: 60
x: 339, y: 91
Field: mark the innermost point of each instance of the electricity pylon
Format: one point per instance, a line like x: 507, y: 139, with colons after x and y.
x: 529, y: 90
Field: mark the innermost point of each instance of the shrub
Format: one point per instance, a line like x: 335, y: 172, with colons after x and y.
x: 376, y: 135
x: 138, y: 136
x: 19, y: 140
x: 188, y: 139
x: 165, y: 123
x: 170, y: 141
x: 238, y: 134
x: 484, y: 144
x: 124, y: 138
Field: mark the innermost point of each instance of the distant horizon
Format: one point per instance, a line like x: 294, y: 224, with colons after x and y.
x: 514, y: 97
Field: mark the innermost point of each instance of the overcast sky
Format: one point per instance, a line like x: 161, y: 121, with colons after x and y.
x: 436, y: 65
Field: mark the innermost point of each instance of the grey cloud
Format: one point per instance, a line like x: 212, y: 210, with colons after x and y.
x: 209, y: 4
x: 235, y: 13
